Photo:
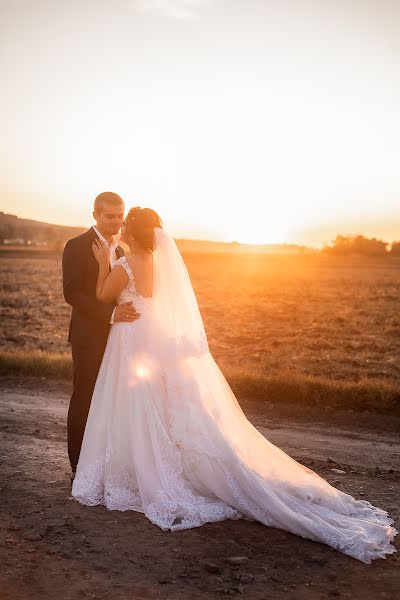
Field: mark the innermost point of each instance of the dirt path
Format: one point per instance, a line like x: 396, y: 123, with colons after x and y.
x: 52, y: 547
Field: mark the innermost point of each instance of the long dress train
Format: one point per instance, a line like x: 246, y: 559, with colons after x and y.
x: 166, y: 436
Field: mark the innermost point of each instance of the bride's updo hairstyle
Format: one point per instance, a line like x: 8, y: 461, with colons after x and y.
x: 140, y: 223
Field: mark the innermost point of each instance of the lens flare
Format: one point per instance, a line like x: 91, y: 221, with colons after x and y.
x: 141, y: 369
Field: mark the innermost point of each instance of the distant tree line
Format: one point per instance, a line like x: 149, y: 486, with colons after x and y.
x: 358, y: 244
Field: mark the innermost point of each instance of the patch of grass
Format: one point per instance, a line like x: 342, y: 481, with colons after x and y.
x: 36, y: 363
x: 375, y: 395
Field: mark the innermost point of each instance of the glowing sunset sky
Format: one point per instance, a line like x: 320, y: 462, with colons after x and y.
x: 249, y: 120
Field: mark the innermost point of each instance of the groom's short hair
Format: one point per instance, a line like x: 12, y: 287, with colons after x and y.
x: 107, y: 198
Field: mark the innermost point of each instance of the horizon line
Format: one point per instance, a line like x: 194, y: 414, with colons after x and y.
x: 314, y: 245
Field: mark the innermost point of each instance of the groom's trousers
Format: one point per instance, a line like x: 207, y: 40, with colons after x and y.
x: 86, y: 364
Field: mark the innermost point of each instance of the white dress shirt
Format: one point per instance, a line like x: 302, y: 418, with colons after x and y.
x: 111, y: 247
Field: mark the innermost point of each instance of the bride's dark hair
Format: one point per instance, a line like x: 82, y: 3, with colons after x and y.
x: 140, y: 223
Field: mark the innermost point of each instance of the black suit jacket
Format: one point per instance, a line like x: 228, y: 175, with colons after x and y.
x: 90, y: 319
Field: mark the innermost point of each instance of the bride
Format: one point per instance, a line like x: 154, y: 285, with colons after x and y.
x: 166, y: 436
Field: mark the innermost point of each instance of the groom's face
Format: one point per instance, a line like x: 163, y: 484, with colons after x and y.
x: 109, y: 219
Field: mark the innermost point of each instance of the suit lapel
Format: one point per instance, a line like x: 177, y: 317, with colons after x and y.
x: 92, y: 234
x: 92, y: 259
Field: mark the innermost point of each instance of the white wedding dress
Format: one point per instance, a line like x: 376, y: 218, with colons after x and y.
x: 166, y: 436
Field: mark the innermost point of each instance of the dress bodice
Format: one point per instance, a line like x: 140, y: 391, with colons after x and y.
x: 129, y: 293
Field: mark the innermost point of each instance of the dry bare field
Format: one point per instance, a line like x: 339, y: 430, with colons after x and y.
x: 325, y: 316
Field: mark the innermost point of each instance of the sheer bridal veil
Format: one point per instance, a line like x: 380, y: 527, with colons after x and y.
x: 175, y: 309
x: 227, y: 453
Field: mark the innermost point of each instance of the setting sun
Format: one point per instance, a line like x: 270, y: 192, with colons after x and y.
x: 253, y: 136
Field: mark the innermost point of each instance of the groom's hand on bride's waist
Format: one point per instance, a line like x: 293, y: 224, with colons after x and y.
x: 125, y: 312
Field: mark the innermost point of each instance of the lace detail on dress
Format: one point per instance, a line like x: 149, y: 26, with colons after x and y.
x: 174, y: 506
x: 179, y: 505
x: 122, y: 262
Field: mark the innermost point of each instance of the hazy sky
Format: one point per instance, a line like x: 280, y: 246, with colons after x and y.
x: 249, y: 120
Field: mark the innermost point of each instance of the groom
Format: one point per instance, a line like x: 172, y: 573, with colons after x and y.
x: 90, y: 320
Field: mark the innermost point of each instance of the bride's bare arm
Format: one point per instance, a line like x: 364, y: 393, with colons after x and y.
x: 109, y: 285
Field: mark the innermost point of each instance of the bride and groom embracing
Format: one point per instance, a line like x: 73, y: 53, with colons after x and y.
x: 153, y: 425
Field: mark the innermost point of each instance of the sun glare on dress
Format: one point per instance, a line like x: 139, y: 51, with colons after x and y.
x: 141, y: 369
